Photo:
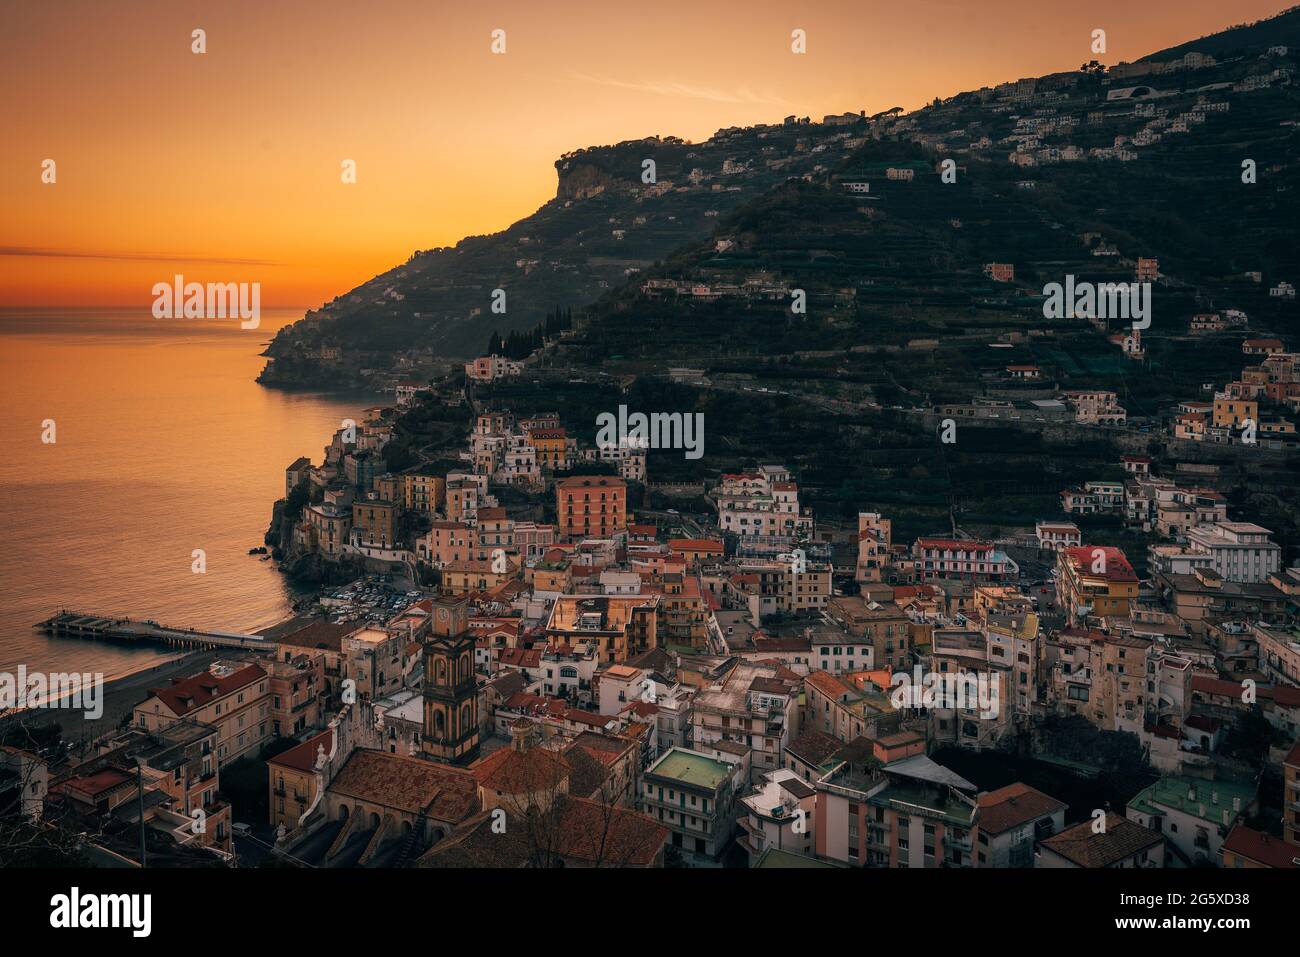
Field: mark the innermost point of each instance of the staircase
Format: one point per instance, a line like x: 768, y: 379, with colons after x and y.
x: 408, y: 845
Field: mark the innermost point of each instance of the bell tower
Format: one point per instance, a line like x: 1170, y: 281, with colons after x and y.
x: 450, y: 687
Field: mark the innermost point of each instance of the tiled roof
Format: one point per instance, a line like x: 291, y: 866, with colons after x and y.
x: 302, y: 757
x: 1262, y: 848
x: 813, y: 747
x: 585, y: 833
x: 534, y: 771
x: 1121, y: 840
x: 1013, y: 805
x: 196, y: 691
x: 1117, y: 567
x: 828, y: 684
x: 408, y: 784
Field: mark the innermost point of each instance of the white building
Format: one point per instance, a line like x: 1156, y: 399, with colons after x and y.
x: 779, y: 814
x: 1241, y: 551
x: 1057, y: 535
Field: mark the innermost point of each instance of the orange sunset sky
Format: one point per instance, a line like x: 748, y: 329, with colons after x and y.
x: 226, y: 166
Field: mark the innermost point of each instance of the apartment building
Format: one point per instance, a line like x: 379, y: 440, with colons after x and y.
x: 489, y: 368
x: 695, y: 796
x: 1279, y: 653
x: 762, y: 508
x: 771, y: 586
x: 846, y: 712
x: 911, y: 813
x: 970, y: 707
x: 532, y: 540
x: 326, y: 528
x: 373, y: 659
x: 1097, y: 407
x: 375, y: 521
x: 885, y: 625
x: 423, y: 493
x: 234, y: 697
x: 591, y: 506
x: 1092, y: 498
x: 1012, y: 820
x: 1193, y: 814
x: 170, y: 774
x: 1108, y: 679
x: 1013, y: 641
x: 957, y: 558
x: 297, y: 686
x: 294, y: 782
x: 446, y: 542
x: 1239, y: 551
x: 1095, y: 581
x: 1057, y: 535
x: 616, y: 626
x: 779, y: 813
x: 875, y: 541
x: 550, y: 447
x: 1119, y: 843
x: 751, y: 705
x: 494, y: 531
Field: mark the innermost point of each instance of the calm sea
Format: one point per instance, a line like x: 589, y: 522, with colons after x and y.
x: 165, y: 444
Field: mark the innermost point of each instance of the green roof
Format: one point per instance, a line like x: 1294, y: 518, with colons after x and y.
x: 774, y: 857
x: 688, y: 767
x: 1176, y: 791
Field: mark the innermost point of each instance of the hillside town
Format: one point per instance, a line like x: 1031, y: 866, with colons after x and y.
x: 990, y: 558
x: 574, y: 679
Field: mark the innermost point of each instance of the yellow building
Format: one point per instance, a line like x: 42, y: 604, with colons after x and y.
x: 463, y: 577
x: 551, y: 576
x: 1095, y: 580
x: 376, y: 519
x: 424, y: 493
x: 325, y: 528
x: 618, y: 626
x: 293, y: 782
x: 1231, y: 412
x: 233, y: 696
x: 551, y: 447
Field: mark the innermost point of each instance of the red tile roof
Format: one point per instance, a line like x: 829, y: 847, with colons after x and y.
x: 196, y: 691
x: 535, y: 771
x: 1261, y: 848
x: 302, y: 757
x: 408, y: 784
x: 1293, y: 758
x: 521, y: 657
x: 1012, y: 806
x: 1121, y: 840
x: 696, y: 545
x: 828, y: 684
x: 954, y: 544
x: 1117, y: 566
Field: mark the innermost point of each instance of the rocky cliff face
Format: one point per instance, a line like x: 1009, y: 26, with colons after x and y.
x: 584, y: 180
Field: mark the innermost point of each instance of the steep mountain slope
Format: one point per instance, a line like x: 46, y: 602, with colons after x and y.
x: 1077, y: 173
x: 605, y: 224
x: 1055, y: 177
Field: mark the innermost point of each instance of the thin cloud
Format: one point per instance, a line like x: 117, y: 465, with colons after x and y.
x: 684, y: 90
x: 33, y: 251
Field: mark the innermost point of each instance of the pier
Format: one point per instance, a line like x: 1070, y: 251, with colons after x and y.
x: 74, y: 624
